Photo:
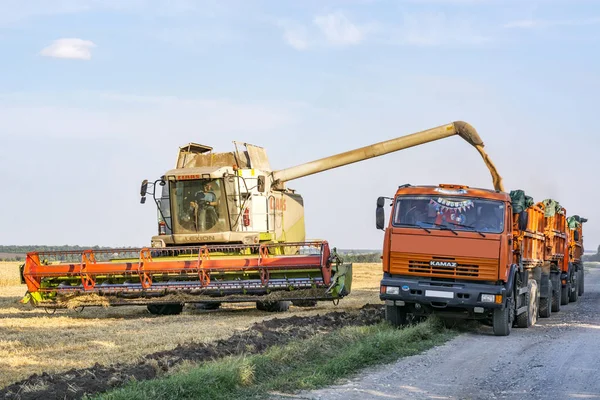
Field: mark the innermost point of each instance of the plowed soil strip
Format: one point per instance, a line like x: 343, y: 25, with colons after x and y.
x: 73, y: 384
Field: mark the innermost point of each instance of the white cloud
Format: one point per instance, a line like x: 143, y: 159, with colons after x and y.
x: 339, y: 30
x: 73, y: 48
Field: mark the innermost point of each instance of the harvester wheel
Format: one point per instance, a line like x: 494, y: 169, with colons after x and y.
x: 207, y: 306
x: 564, y: 293
x: 556, y: 292
x: 501, y: 319
x: 396, y: 315
x: 304, y: 303
x: 165, y: 309
x: 581, y: 280
x: 574, y: 292
x: 546, y: 303
x: 273, y: 306
x: 529, y: 317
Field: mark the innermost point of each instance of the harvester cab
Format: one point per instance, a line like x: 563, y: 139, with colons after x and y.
x: 229, y: 230
x: 212, y: 198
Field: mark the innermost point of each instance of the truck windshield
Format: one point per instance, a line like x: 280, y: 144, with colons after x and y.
x: 199, y: 206
x: 457, y: 213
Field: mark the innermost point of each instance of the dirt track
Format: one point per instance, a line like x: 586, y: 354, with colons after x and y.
x: 559, y: 358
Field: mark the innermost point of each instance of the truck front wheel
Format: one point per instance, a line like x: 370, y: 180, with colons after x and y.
x: 502, y: 319
x: 396, y: 315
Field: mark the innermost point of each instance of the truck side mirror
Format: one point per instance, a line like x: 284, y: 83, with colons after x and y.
x: 144, y: 188
x: 143, y: 200
x: 261, y: 183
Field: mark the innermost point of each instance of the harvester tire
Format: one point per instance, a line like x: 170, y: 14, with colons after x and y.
x: 546, y: 303
x: 273, y: 306
x: 556, y: 293
x: 564, y: 293
x: 529, y: 317
x: 207, y: 306
x: 501, y: 319
x: 304, y: 303
x: 581, y: 280
x: 396, y: 315
x: 165, y: 309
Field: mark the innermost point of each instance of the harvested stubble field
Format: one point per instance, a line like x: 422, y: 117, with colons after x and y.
x: 34, y: 342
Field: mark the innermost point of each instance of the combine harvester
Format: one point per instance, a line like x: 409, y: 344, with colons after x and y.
x: 471, y: 253
x: 229, y: 230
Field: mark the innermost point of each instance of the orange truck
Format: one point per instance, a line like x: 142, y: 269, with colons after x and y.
x: 472, y: 253
x: 575, y: 224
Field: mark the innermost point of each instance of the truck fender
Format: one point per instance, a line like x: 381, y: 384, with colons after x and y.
x: 508, y: 286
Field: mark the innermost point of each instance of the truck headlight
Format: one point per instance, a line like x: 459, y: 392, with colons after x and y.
x: 392, y: 290
x: 488, y: 298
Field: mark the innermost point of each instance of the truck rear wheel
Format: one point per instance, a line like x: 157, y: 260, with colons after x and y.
x: 273, y: 306
x: 581, y: 279
x: 165, y: 309
x: 574, y: 292
x: 546, y: 302
x: 556, y: 291
x: 502, y: 319
x: 529, y: 317
x: 396, y: 315
x: 564, y: 293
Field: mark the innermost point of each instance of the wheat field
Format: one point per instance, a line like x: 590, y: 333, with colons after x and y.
x: 32, y: 341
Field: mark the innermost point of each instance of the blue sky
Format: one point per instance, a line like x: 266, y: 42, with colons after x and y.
x: 97, y: 95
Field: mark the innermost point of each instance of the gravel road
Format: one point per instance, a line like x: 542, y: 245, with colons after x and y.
x: 558, y: 358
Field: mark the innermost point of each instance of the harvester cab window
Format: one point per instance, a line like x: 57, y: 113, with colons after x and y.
x: 199, y: 206
x: 457, y: 213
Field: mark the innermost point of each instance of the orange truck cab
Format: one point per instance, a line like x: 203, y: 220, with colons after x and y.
x: 463, y: 252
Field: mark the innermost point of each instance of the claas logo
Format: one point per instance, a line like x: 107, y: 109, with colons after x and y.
x: 277, y: 204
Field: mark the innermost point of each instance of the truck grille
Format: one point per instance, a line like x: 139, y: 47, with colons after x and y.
x: 466, y: 268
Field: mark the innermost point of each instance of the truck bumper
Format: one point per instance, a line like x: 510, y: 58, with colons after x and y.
x: 435, y: 296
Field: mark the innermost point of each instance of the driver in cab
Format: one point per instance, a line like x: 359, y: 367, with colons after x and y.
x: 489, y: 219
x: 207, y: 196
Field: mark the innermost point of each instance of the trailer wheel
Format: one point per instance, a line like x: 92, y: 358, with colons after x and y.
x: 396, y: 315
x: 501, y: 319
x: 529, y: 317
x: 273, y: 306
x: 546, y: 303
x: 556, y: 293
x: 564, y: 293
x: 304, y: 303
x: 581, y: 280
x: 574, y: 292
x: 165, y: 309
